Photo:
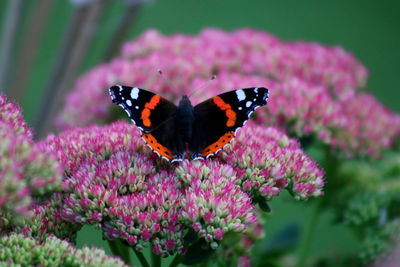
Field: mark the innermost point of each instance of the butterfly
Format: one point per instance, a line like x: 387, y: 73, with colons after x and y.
x: 204, y: 129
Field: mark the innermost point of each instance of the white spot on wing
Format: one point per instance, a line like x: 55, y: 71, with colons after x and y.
x: 248, y: 104
x: 135, y: 93
x: 240, y: 95
x: 239, y: 108
x: 137, y: 107
x: 128, y: 102
x: 256, y: 90
x: 120, y: 88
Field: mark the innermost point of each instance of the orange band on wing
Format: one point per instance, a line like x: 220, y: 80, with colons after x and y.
x: 147, y: 110
x: 156, y: 146
x: 229, y: 112
x: 222, y: 141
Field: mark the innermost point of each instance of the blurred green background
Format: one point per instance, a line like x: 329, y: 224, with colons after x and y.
x: 368, y: 29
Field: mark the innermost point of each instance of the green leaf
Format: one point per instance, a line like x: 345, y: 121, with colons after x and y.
x: 263, y: 204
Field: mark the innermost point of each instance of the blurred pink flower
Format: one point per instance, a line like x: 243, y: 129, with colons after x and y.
x: 11, y: 115
x: 22, y: 250
x: 114, y: 180
x: 244, y: 261
x: 46, y: 221
x: 314, y: 88
x: 26, y: 171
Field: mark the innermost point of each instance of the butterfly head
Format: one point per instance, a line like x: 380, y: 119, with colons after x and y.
x: 185, y: 101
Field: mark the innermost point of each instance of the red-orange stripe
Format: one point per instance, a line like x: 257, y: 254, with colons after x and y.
x: 148, y: 107
x: 222, y: 141
x: 229, y: 112
x: 156, y: 146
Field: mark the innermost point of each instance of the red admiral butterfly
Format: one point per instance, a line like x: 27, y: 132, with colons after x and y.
x: 204, y: 129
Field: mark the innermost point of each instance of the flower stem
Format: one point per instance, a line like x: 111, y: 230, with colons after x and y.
x: 119, y: 249
x: 114, y: 247
x: 124, y: 249
x: 155, y: 260
x: 309, y: 235
x: 141, y: 258
x: 176, y: 261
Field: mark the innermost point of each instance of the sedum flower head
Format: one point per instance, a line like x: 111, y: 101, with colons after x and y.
x: 19, y: 250
x: 47, y: 220
x: 315, y: 90
x: 114, y: 181
x: 27, y: 173
x: 11, y: 115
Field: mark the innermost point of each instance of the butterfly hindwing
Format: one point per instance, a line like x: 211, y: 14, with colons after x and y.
x: 218, y: 118
x: 153, y: 115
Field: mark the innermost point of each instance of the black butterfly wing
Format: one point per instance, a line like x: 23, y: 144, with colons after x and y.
x: 154, y: 116
x: 218, y: 118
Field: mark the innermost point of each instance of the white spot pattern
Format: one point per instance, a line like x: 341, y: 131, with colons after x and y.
x: 135, y: 93
x: 128, y: 102
x: 248, y: 104
x: 240, y: 95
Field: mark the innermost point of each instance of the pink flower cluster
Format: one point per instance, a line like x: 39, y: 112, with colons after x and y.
x: 20, y: 250
x: 11, y: 115
x: 249, y: 51
x: 114, y: 180
x: 315, y: 90
x: 47, y: 220
x: 26, y: 172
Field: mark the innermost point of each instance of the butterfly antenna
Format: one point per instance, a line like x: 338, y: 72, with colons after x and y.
x: 204, y: 85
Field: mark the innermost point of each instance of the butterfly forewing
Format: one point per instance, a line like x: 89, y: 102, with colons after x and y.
x: 218, y: 118
x: 153, y: 115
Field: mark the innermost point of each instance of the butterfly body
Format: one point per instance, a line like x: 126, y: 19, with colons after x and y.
x: 185, y: 119
x: 204, y: 129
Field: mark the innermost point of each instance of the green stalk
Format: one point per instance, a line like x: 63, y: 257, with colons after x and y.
x: 114, y: 247
x: 120, y: 249
x: 176, y: 261
x: 309, y: 236
x: 124, y: 249
x: 155, y: 260
x: 141, y: 258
